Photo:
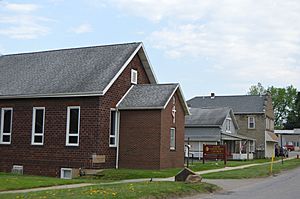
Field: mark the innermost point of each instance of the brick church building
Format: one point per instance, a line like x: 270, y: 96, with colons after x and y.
x: 90, y: 108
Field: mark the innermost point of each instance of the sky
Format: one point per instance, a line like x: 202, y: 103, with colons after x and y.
x: 220, y: 46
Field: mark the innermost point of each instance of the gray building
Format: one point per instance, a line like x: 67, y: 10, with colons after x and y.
x: 289, y: 137
x: 254, y: 115
x: 216, y: 126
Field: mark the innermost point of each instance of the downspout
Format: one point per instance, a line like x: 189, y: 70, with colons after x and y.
x: 118, y: 132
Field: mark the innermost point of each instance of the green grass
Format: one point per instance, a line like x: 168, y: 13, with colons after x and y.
x: 122, y: 174
x: 255, y: 171
x: 199, y: 166
x: 128, y: 190
x: 13, y: 182
x: 10, y: 181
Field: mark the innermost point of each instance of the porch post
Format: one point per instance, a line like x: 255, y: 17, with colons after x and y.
x: 240, y: 148
x: 248, y: 148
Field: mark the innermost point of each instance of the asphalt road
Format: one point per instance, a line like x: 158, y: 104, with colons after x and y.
x: 284, y: 186
x: 294, y: 153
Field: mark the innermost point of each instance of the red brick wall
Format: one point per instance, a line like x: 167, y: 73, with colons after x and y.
x: 94, y: 130
x: 140, y: 139
x: 111, y: 98
x: 172, y: 158
x: 145, y: 138
x: 47, y: 159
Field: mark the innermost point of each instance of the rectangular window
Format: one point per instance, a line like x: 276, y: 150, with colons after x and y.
x: 228, y: 125
x: 267, y: 123
x: 73, y: 125
x: 251, y: 122
x: 38, y: 123
x: 272, y: 125
x: 66, y: 173
x: 133, y: 76
x: 6, y: 125
x: 114, y: 125
x: 172, y: 139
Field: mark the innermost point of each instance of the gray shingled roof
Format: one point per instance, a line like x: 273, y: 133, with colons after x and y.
x: 77, y: 70
x: 239, y: 103
x: 143, y: 96
x: 207, y: 116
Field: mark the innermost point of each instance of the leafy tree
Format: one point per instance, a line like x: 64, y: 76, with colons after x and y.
x: 283, y: 101
x: 257, y: 89
x: 293, y: 119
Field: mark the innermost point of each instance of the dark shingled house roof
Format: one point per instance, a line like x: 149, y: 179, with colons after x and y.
x: 150, y: 96
x: 238, y: 103
x: 207, y: 116
x: 67, y: 72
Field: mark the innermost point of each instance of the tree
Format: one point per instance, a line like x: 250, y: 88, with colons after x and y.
x: 293, y: 119
x: 257, y: 89
x: 283, y: 101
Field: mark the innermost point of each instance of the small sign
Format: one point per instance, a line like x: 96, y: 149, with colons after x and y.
x: 213, y: 152
x: 98, y: 159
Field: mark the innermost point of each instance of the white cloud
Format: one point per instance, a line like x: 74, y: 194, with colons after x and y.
x: 20, y: 7
x: 18, y: 22
x: 83, y: 28
x: 247, y: 40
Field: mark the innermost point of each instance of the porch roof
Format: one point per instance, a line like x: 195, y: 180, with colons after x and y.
x: 226, y: 136
x: 271, y: 137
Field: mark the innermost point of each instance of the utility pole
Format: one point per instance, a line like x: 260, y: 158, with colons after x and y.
x: 281, y: 149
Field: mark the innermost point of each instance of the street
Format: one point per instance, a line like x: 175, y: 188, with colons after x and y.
x: 283, y: 186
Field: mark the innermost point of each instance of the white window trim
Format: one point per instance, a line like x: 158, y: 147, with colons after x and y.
x: 228, y: 122
x: 173, y: 147
x: 2, y: 126
x: 135, y: 75
x: 33, y: 126
x: 249, y: 122
x: 62, y: 174
x: 68, y: 134
x: 117, y: 123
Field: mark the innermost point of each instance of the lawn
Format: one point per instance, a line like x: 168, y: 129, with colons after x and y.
x: 10, y: 181
x: 127, y: 190
x: 122, y: 174
x: 13, y: 182
x: 255, y: 171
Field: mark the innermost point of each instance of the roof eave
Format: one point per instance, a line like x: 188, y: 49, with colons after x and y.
x: 53, y: 95
x: 202, y: 126
x: 147, y: 64
x: 248, y: 113
x: 141, y: 108
x: 140, y: 50
x: 181, y: 98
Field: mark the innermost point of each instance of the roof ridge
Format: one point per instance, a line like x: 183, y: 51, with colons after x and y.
x: 71, y: 48
x: 208, y: 96
x: 225, y: 107
x: 157, y: 84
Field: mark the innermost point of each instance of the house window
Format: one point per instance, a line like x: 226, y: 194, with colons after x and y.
x: 133, y: 76
x: 172, y: 139
x: 38, y: 123
x: 66, y: 173
x: 114, y: 125
x: 228, y: 125
x: 251, y: 122
x: 6, y: 125
x: 272, y: 125
x: 73, y: 124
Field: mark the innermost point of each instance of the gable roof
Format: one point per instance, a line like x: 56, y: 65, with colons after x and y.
x: 68, y: 72
x: 271, y: 137
x: 150, y: 96
x: 208, y: 117
x: 238, y: 103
